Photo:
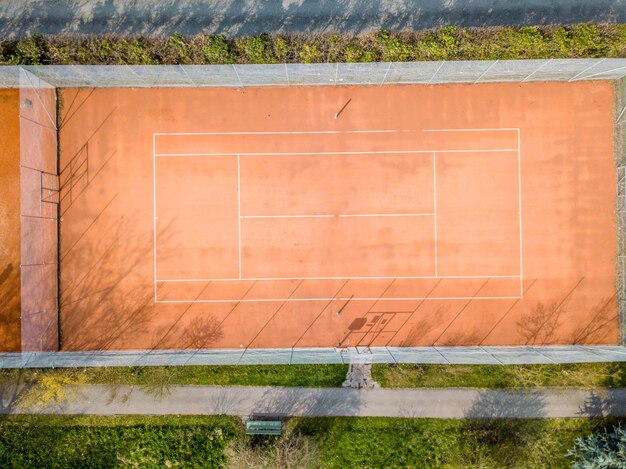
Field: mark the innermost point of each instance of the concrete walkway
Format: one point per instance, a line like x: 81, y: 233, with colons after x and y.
x: 238, y: 17
x: 242, y: 401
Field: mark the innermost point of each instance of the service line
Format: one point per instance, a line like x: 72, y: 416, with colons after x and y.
x: 261, y: 279
x: 381, y: 152
x: 341, y: 215
x: 275, y: 300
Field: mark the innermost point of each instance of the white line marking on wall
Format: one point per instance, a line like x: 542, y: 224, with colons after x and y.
x: 486, y: 70
x: 605, y: 72
x: 587, y: 69
x: 436, y: 71
x: 536, y: 70
x: 386, y: 73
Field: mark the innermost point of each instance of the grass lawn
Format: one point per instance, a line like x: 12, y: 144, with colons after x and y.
x: 125, y: 441
x: 240, y: 375
x: 611, y: 374
x: 389, y: 376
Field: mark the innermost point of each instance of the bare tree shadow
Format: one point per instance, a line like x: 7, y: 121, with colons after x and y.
x: 309, y: 402
x: 97, y: 308
x: 458, y: 339
x: 540, y: 325
x: 226, y: 403
x: 9, y: 308
x: 421, y: 329
x: 202, y: 332
x: 12, y: 385
x: 603, y: 314
x: 494, y: 419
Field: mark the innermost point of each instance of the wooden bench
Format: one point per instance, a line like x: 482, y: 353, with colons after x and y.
x: 264, y: 427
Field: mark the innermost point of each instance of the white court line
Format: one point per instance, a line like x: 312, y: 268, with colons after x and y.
x: 435, y: 208
x: 287, y: 216
x: 389, y: 215
x: 519, y: 188
x: 239, y: 210
x: 341, y: 215
x: 388, y: 131
x: 155, y: 214
x: 267, y: 300
x: 504, y: 129
x: 260, y: 279
x: 428, y: 152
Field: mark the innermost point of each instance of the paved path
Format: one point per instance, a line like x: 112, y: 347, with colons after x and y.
x: 431, y: 403
x: 239, y: 17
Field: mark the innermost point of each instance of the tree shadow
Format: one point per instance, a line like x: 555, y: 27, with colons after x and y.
x: 458, y: 339
x: 603, y: 314
x: 226, y: 403
x: 309, y: 402
x: 540, y: 325
x: 13, y: 383
x: 308, y: 17
x: 506, y: 419
x: 604, y: 403
x: 10, y: 308
x: 421, y: 329
x: 97, y: 307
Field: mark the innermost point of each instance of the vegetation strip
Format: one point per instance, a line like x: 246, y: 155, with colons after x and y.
x: 587, y: 375
x: 445, y: 43
x: 130, y: 441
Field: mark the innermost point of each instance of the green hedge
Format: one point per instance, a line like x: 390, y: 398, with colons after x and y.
x: 446, y: 43
x: 146, y: 442
x: 202, y: 441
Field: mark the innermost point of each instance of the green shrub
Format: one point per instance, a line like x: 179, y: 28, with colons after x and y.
x: 394, y: 49
x: 440, y: 45
x: 310, y: 53
x: 606, y: 449
x: 445, y: 43
x: 135, y: 52
x: 178, y: 44
x: 281, y: 49
x: 356, y: 54
x: 256, y: 49
x: 217, y: 50
x: 28, y: 51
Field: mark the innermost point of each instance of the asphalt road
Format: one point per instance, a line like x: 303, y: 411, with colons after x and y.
x: 411, y: 403
x: 239, y: 17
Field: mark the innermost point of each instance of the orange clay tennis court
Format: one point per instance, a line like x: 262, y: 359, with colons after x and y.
x: 338, y: 216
